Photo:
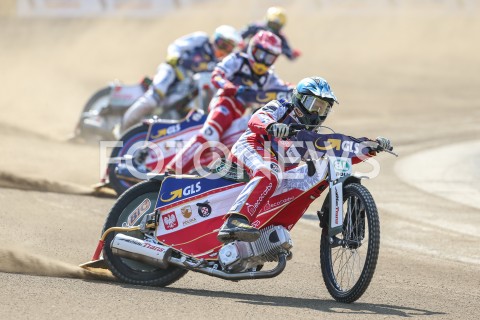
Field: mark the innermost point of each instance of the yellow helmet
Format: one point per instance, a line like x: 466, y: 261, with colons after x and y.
x: 276, y: 18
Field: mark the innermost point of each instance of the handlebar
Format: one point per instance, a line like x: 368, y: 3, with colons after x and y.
x: 295, y: 128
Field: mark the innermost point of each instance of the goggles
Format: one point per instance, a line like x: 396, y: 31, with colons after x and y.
x: 275, y: 26
x: 316, y: 105
x: 225, y: 45
x: 263, y: 56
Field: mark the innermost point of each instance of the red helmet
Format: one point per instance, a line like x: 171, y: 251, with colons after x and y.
x: 263, y: 50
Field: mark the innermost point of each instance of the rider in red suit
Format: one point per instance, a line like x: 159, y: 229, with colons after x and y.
x: 260, y: 150
x: 235, y: 73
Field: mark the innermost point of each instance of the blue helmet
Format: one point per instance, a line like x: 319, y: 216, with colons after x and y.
x: 313, y: 99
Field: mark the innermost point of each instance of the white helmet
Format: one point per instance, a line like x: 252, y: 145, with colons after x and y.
x: 225, y: 40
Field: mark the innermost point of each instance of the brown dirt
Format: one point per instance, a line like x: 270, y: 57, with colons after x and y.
x: 405, y: 71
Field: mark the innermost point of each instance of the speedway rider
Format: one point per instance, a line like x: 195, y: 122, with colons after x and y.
x: 275, y: 20
x: 235, y: 73
x: 311, y: 103
x: 185, y: 56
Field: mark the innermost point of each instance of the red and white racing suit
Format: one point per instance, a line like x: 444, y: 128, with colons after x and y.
x: 233, y: 70
x: 259, y: 153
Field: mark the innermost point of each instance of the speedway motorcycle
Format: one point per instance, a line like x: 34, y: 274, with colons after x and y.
x: 149, y: 146
x: 104, y: 111
x: 166, y: 226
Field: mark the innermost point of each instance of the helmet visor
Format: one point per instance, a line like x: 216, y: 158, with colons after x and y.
x: 316, y: 105
x: 225, y: 45
x: 275, y: 26
x: 263, y: 56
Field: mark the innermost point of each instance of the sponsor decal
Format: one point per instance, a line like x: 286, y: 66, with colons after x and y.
x: 274, y: 167
x: 186, y: 211
x: 152, y: 247
x: 270, y: 205
x: 256, y: 223
x: 266, y: 96
x: 138, y: 212
x: 201, y: 66
x: 208, y: 131
x: 133, y: 241
x: 252, y: 208
x: 224, y: 110
x: 187, y: 214
x: 170, y: 220
x: 196, y: 116
x: 179, y: 193
x: 321, y: 144
x: 298, y: 113
x: 342, y: 167
x: 337, y: 206
x: 350, y: 146
x: 204, y: 209
x: 166, y: 131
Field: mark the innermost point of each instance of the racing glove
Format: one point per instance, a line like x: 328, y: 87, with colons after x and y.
x: 229, y: 89
x: 278, y: 130
x: 384, y: 143
x: 296, y: 53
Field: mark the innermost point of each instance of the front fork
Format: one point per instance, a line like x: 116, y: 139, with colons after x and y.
x: 331, y: 213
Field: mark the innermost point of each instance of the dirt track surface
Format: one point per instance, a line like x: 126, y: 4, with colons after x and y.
x: 410, y: 75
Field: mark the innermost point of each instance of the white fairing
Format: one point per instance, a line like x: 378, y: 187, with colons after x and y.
x: 219, y: 204
x: 125, y: 95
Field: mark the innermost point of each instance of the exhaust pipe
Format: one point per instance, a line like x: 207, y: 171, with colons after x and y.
x: 150, y: 253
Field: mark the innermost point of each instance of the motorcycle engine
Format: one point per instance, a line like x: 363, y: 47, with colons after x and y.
x: 239, y: 256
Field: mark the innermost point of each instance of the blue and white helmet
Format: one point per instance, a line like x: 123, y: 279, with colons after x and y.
x: 313, y: 100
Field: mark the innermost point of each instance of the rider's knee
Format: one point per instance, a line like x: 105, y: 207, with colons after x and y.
x: 270, y: 171
x: 209, y: 133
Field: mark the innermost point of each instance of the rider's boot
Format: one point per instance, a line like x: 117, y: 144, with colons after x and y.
x: 237, y: 227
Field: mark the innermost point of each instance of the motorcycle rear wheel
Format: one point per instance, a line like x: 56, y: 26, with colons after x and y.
x: 128, y: 270
x: 348, y: 269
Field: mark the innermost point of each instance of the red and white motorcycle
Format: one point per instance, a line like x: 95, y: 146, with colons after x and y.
x: 163, y: 227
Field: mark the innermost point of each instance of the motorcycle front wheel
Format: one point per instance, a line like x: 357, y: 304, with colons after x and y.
x: 128, y: 211
x: 131, y: 139
x: 348, y: 267
x: 95, y: 104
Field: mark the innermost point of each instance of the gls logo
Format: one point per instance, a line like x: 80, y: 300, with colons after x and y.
x: 166, y: 131
x: 179, y: 193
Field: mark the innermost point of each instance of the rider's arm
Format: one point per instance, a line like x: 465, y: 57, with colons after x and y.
x: 225, y: 70
x: 187, y: 43
x: 286, y: 49
x: 249, y: 31
x: 267, y: 115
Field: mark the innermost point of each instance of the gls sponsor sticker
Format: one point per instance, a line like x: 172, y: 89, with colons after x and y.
x: 166, y: 131
x: 179, y: 193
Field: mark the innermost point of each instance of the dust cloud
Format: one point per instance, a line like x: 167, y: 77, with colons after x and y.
x: 14, y: 260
